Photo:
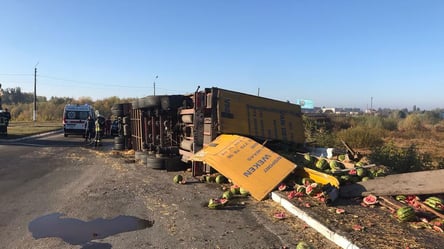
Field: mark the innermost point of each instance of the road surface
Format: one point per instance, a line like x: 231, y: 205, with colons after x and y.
x: 52, y: 180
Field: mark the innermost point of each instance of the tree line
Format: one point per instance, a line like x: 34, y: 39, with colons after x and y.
x: 21, y: 104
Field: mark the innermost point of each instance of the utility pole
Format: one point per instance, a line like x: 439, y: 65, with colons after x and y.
x: 258, y: 91
x: 154, y: 85
x: 34, y: 113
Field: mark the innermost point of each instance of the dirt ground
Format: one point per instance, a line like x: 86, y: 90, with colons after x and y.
x: 366, y: 227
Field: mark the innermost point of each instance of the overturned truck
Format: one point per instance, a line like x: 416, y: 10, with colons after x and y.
x: 172, y: 128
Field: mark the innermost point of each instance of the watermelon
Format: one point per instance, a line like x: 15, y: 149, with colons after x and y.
x: 406, y: 213
x: 334, y: 164
x: 306, y: 181
x: 235, y: 190
x: 361, y: 172
x: 321, y: 164
x: 210, y: 178
x: 303, y: 245
x: 313, y: 189
x: 243, y: 192
x: 300, y: 188
x: 177, y: 178
x: 370, y: 200
x: 282, y: 187
x: 227, y: 195
x: 308, y: 160
x: 217, y: 203
x: 435, y: 203
x: 365, y: 178
x: 220, y: 179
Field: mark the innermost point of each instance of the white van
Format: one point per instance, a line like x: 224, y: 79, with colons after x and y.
x: 74, y: 118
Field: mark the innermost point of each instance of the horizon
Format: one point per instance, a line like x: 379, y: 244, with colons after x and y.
x: 343, y: 54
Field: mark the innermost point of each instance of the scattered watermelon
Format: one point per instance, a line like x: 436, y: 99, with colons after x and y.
x: 210, y: 178
x: 303, y: 245
x: 217, y: 203
x: 177, y: 179
x: 227, y: 195
x: 361, y: 172
x: 406, y: 213
x: 340, y: 210
x: 282, y: 187
x: 370, y: 200
x: 306, y: 181
x: 321, y: 164
x: 235, y: 189
x: 280, y: 215
x: 243, y: 192
x: 313, y: 189
x: 221, y: 179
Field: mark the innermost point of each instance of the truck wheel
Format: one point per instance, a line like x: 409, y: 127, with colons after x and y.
x: 119, y: 147
x: 149, y: 102
x: 171, y: 102
x: 117, y: 113
x: 155, y: 162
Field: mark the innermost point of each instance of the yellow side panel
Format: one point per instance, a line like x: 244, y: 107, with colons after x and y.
x: 259, y: 117
x: 247, y: 163
x: 317, y: 176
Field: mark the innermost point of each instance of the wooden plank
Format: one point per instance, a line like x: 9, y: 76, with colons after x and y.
x: 416, y: 183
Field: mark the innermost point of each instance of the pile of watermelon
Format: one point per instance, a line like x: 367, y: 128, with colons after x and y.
x: 337, y: 168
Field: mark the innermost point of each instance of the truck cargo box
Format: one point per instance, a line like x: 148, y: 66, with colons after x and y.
x: 259, y: 117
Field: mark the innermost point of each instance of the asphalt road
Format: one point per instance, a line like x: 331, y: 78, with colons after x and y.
x: 55, y: 192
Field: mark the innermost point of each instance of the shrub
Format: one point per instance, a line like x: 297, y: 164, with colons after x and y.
x: 398, y: 160
x: 362, y: 137
x: 411, y: 123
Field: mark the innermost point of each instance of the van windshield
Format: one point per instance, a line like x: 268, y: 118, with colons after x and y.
x: 76, y: 115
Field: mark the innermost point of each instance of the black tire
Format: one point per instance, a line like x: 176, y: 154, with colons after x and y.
x: 135, y: 104
x: 65, y: 135
x: 174, y: 164
x: 155, y: 163
x: 171, y: 102
x: 119, y: 147
x: 140, y: 157
x: 117, y: 113
x: 117, y: 107
x: 149, y: 102
x: 119, y: 140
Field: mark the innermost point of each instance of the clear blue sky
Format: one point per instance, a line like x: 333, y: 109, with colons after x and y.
x: 336, y: 53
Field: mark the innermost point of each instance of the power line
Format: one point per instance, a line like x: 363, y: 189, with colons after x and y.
x: 16, y: 74
x: 89, y: 83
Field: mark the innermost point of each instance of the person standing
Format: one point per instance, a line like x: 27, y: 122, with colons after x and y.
x: 89, y: 129
x: 100, y: 125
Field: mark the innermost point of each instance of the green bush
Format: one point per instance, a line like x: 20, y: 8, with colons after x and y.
x: 399, y: 160
x: 411, y: 123
x: 362, y: 137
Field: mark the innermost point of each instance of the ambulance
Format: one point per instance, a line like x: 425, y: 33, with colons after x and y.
x: 75, y: 117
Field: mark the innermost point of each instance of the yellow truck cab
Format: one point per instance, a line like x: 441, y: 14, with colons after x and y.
x: 75, y: 117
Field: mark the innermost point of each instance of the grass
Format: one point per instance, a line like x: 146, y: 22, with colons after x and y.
x: 22, y: 129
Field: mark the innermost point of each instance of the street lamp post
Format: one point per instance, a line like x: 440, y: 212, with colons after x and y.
x: 34, y: 113
x: 154, y: 85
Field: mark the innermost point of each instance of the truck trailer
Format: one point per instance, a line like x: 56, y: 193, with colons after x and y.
x: 178, y: 126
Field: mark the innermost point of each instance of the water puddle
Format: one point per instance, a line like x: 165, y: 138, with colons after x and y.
x: 78, y: 232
